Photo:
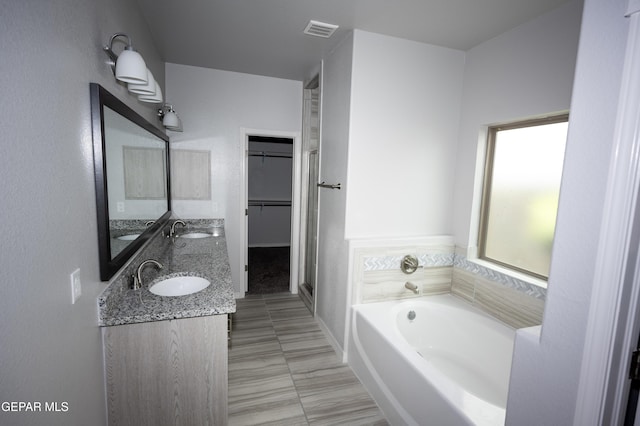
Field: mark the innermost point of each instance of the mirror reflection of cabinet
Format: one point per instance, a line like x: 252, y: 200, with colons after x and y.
x: 131, y: 165
x: 144, y: 173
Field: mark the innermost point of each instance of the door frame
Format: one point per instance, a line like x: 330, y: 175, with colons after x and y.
x: 296, y: 178
x: 314, y: 82
x: 614, y: 321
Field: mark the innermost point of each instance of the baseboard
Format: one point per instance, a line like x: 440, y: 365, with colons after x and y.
x: 340, y: 353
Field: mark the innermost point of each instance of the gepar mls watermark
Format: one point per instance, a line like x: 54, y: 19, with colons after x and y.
x: 34, y: 406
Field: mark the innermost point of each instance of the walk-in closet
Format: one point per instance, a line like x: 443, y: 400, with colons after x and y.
x: 270, y: 165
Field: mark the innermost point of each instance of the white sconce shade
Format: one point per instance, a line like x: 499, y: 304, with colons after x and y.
x: 130, y: 67
x: 170, y: 119
x: 177, y: 128
x: 154, y: 99
x: 148, y: 88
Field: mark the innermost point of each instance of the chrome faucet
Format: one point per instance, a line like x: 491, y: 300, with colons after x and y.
x: 137, y: 277
x: 411, y: 286
x: 172, y: 231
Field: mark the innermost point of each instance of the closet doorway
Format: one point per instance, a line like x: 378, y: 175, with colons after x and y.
x: 270, y: 256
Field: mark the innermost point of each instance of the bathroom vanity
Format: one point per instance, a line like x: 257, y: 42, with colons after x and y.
x: 166, y: 356
x: 167, y: 372
x: 165, y: 350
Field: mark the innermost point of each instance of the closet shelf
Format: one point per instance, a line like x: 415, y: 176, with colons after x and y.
x: 270, y: 154
x: 269, y: 203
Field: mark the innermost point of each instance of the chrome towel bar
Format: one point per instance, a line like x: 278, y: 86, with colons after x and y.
x: 326, y: 185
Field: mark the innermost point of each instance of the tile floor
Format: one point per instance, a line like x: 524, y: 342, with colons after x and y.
x: 283, y: 371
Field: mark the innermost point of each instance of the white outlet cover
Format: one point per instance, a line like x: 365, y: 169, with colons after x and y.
x: 76, y: 286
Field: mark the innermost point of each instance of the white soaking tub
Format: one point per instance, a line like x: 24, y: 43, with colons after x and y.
x: 434, y: 360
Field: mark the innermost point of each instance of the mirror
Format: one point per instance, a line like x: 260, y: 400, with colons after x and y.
x: 131, y: 165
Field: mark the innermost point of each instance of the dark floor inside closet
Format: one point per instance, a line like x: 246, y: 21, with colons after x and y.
x: 268, y: 270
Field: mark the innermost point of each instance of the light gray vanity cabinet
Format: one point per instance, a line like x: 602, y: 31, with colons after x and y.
x: 167, y: 372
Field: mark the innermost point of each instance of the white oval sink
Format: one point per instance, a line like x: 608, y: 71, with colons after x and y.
x: 128, y: 237
x: 179, y: 286
x: 195, y: 235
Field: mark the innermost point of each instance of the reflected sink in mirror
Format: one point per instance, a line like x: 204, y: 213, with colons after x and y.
x: 129, y: 237
x: 178, y: 285
x: 195, y: 235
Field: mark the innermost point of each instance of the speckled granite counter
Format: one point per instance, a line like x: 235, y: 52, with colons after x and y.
x: 206, y: 257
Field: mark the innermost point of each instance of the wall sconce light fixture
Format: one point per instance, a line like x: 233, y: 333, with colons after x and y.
x: 155, y: 98
x: 129, y: 67
x: 170, y: 119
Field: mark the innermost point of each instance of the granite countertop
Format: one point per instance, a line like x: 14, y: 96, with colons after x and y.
x: 205, y: 257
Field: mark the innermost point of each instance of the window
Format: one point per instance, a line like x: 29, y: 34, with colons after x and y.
x: 520, y: 194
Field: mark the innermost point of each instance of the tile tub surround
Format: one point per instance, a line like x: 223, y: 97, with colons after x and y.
x: 508, y: 299
x: 283, y: 371
x: 376, y: 276
x: 207, y: 257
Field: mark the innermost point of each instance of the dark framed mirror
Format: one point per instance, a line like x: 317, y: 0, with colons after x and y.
x: 132, y: 179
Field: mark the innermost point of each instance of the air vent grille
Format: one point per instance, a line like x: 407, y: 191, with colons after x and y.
x: 320, y: 29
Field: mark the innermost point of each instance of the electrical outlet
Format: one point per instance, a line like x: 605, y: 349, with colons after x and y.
x: 120, y: 207
x: 76, y: 286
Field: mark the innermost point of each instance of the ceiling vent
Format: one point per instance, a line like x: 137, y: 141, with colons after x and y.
x: 320, y: 29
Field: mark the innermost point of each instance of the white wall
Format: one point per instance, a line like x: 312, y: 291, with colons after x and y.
x: 405, y: 105
x: 525, y: 72
x: 50, y: 349
x: 389, y: 125
x: 545, y: 371
x: 214, y: 105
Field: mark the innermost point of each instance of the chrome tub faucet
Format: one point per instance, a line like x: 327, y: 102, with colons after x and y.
x: 411, y: 286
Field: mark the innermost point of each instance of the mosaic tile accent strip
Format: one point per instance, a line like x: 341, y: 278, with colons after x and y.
x: 385, y: 263
x: 529, y: 289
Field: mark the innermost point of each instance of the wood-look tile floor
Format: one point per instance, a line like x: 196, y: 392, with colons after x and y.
x: 283, y: 371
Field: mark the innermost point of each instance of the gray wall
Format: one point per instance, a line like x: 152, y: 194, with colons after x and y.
x: 331, y: 287
x: 50, y: 349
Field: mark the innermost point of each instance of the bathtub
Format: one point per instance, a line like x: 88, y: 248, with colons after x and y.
x: 449, y: 365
